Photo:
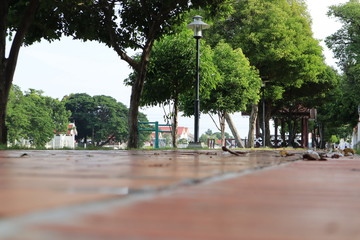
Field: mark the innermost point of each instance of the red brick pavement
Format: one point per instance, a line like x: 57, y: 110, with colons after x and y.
x: 307, y: 200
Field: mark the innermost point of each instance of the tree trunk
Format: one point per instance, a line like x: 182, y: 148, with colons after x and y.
x: 282, y: 132
x: 252, y: 125
x: 175, y: 123
x: 234, y: 130
x: 222, y: 127
x: 322, y: 137
x: 3, y: 106
x: 276, y: 122
x: 136, y: 92
x: 267, y: 124
x: 8, y: 65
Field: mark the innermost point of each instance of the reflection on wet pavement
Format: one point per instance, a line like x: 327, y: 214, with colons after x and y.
x: 37, y: 180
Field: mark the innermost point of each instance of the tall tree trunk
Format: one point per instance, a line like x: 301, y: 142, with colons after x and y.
x: 290, y: 126
x: 322, y: 137
x: 276, y: 122
x: 175, y: 123
x: 282, y: 133
x: 252, y: 125
x: 4, y: 5
x: 3, y: 103
x: 296, y: 124
x: 136, y: 92
x: 8, y: 65
x: 234, y: 130
x: 267, y: 124
x: 222, y: 127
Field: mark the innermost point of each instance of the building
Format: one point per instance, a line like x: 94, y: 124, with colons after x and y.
x: 182, y: 133
x: 64, y: 140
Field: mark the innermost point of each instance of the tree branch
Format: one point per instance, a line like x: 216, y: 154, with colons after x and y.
x: 4, y: 5
x: 112, y: 34
x: 19, y: 39
x: 214, y: 122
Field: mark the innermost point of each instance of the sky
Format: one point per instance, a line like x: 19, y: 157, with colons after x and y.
x: 72, y: 66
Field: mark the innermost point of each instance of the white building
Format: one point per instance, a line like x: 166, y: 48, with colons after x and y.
x: 64, y: 140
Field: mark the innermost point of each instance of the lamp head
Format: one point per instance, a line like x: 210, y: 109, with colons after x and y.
x: 197, y: 25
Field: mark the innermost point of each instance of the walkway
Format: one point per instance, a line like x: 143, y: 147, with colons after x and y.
x: 156, y: 195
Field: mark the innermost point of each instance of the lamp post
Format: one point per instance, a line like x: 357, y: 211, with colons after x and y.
x: 197, y: 25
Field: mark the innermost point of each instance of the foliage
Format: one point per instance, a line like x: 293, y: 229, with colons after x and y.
x: 346, y: 47
x: 216, y: 135
x: 334, y: 139
x: 166, y: 81
x: 129, y: 24
x: 277, y: 39
x: 23, y: 22
x: 276, y: 36
x: 239, y: 84
x: 35, y: 117
x: 100, y: 118
x: 345, y: 42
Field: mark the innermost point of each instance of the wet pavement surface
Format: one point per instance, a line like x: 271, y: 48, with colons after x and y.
x: 183, y: 194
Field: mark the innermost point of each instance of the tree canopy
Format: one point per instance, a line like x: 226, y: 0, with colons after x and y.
x: 346, y: 47
x: 167, y: 83
x: 130, y: 24
x: 239, y: 84
x: 23, y: 22
x: 99, y: 118
x: 35, y: 117
x: 276, y: 36
x: 119, y: 24
x: 277, y: 39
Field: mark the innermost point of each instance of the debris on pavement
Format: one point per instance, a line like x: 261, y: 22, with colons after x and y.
x: 311, y: 155
x: 237, y: 153
x: 284, y: 153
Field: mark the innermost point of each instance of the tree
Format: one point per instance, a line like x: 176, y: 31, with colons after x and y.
x: 313, y: 94
x: 167, y: 83
x: 81, y: 106
x: 28, y: 21
x: 100, y: 118
x: 276, y: 37
x: 110, y: 120
x: 35, y: 117
x: 345, y: 44
x: 17, y: 117
x: 239, y: 84
x: 129, y: 24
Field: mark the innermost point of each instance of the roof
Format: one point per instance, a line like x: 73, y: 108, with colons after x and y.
x: 180, y: 130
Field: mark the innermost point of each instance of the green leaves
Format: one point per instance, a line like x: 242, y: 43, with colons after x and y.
x: 100, y: 118
x: 35, y: 117
x: 345, y: 43
x: 239, y: 84
x: 171, y: 73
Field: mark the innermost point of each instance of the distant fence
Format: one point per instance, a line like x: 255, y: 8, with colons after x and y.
x: 154, y: 128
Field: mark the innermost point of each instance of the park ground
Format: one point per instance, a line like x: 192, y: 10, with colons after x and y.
x: 177, y: 195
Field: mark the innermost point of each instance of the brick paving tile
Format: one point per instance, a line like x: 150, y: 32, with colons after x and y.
x: 38, y: 180
x: 302, y: 200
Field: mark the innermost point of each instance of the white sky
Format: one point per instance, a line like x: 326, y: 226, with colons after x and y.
x: 68, y: 66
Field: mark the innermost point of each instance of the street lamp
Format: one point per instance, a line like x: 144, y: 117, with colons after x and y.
x: 197, y: 25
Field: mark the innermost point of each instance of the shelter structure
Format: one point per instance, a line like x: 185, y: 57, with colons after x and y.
x: 294, y: 117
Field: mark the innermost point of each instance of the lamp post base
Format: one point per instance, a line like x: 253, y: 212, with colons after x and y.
x: 195, y: 145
